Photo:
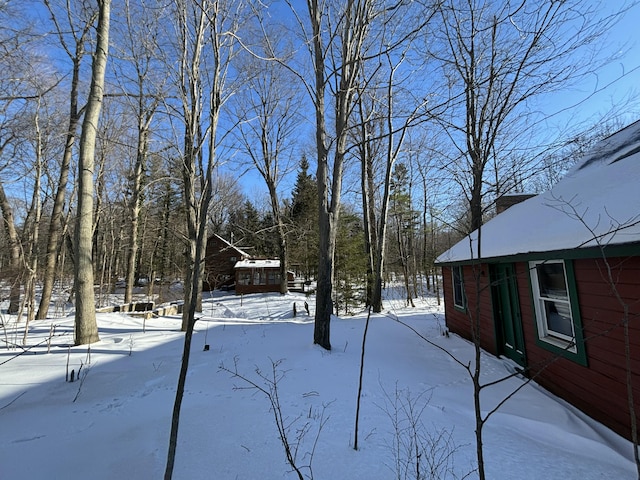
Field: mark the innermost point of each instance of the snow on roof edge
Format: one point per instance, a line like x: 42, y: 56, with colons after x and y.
x: 595, y: 203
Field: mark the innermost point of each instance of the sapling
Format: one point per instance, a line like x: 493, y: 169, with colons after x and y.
x: 52, y: 331
x: 66, y: 376
x: 268, y: 386
x: 418, y: 452
x: 81, y: 379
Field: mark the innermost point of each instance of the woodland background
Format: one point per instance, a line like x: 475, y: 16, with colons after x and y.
x: 353, y: 140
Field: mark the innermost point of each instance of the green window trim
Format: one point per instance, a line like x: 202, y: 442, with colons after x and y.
x: 457, y: 281
x: 571, y: 349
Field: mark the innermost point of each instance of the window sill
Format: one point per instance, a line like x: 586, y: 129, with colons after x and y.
x: 459, y: 308
x: 563, y: 348
x: 565, y: 345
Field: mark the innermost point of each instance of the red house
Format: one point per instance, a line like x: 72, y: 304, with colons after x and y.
x: 220, y: 260
x: 557, y: 282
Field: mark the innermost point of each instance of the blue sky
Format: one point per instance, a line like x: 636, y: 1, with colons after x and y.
x: 613, y: 88
x: 615, y: 85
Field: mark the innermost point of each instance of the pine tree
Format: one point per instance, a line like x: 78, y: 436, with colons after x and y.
x: 350, y: 264
x: 404, y: 224
x: 304, y: 219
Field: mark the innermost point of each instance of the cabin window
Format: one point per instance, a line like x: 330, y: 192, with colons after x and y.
x: 556, y: 308
x: 273, y: 277
x: 244, y: 278
x: 459, y: 300
x: 259, y: 277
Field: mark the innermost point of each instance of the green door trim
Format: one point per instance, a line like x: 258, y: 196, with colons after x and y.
x: 506, y: 313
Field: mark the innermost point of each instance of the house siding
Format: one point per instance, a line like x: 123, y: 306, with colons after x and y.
x: 220, y: 259
x: 458, y: 321
x: 598, y: 389
x: 268, y: 286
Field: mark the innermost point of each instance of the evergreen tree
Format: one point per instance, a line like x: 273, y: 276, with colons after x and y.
x: 404, y: 222
x: 304, y: 219
x: 350, y: 264
x: 268, y: 236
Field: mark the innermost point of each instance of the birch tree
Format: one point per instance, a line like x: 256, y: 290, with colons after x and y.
x: 73, y: 38
x: 86, y: 328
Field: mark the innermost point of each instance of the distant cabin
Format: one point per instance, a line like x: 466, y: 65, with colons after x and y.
x: 258, y: 276
x: 220, y: 261
x: 557, y: 279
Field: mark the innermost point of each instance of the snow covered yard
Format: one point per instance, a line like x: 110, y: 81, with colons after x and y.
x: 114, y: 421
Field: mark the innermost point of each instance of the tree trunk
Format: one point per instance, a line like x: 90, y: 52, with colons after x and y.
x: 86, y: 328
x: 369, y: 216
x: 190, y: 287
x: 15, y: 255
x: 280, y: 228
x: 324, y: 291
x: 57, y: 224
x: 282, y: 252
x: 475, y: 203
x: 135, y: 206
x: 354, y: 27
x: 32, y: 227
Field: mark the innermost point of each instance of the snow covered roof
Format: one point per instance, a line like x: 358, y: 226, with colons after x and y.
x: 596, y: 203
x: 250, y: 263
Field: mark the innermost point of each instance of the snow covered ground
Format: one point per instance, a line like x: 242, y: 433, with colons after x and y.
x: 114, y: 422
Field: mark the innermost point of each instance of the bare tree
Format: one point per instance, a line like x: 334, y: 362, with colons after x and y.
x: 15, y: 251
x: 137, y: 72
x: 86, y: 328
x: 335, y: 45
x: 73, y: 39
x: 396, y: 127
x: 268, y: 109
x: 19, y: 92
x: 497, y: 58
x: 206, y: 45
x: 32, y: 222
x: 226, y: 195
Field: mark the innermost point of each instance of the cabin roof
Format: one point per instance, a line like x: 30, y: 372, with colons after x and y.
x: 597, y: 203
x: 258, y: 263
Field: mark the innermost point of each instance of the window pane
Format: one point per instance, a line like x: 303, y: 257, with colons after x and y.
x: 558, y: 317
x: 551, y: 280
x: 273, y: 277
x: 458, y: 291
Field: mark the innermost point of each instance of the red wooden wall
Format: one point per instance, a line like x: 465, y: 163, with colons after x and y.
x: 598, y: 389
x: 459, y: 321
x: 220, y: 259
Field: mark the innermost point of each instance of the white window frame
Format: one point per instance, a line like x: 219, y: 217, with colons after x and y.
x: 259, y: 277
x: 462, y: 305
x: 541, y: 301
